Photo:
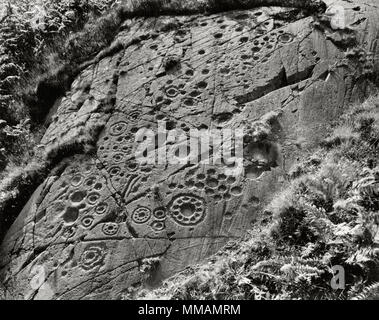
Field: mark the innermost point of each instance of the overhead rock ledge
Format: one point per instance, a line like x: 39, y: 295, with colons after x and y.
x: 283, y: 74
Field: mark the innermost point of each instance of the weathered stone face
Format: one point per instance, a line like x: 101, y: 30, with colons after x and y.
x: 88, y: 231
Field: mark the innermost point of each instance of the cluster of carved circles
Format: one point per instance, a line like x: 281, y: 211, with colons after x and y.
x: 212, y: 183
x: 141, y: 215
x: 154, y: 218
x: 110, y: 228
x: 83, y: 200
x: 187, y: 209
x: 159, y: 218
x: 92, y: 257
x: 257, y: 38
x: 116, y: 146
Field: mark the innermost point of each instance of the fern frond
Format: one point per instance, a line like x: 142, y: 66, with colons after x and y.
x: 371, y: 292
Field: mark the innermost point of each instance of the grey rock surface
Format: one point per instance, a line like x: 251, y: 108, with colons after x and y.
x: 92, y: 231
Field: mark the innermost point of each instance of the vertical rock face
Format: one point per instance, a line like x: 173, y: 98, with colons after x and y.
x: 282, y: 75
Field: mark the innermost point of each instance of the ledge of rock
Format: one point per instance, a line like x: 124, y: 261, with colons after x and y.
x: 107, y: 222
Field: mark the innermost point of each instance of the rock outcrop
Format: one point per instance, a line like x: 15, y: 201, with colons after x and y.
x: 105, y: 222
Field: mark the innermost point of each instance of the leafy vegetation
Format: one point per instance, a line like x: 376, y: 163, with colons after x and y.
x: 37, y: 64
x: 31, y: 37
x: 327, y: 215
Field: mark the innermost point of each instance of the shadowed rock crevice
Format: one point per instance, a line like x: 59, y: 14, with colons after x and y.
x: 275, y: 83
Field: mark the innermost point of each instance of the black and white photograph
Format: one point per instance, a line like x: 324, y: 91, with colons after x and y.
x: 189, y: 157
